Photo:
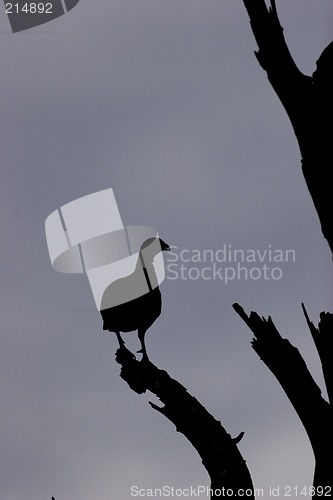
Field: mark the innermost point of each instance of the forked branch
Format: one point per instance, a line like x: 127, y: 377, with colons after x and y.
x: 289, y: 368
x: 308, y: 101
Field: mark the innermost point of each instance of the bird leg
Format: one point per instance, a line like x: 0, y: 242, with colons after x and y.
x: 120, y: 340
x: 141, y: 335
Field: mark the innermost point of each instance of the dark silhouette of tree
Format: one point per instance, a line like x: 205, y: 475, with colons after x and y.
x: 308, y: 101
x: 288, y: 366
x: 218, y: 450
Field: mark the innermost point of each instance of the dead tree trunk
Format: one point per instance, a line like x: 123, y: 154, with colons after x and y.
x: 220, y: 456
x: 308, y: 101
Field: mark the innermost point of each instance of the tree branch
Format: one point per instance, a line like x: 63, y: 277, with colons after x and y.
x: 289, y: 368
x: 323, y: 339
x: 218, y: 450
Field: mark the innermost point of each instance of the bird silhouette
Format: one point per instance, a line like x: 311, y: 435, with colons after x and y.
x: 141, y: 312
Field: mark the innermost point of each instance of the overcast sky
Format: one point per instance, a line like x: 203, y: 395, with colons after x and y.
x: 164, y: 102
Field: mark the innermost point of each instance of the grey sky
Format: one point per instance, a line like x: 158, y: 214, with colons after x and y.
x: 165, y: 103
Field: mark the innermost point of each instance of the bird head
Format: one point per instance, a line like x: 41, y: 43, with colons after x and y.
x: 164, y: 246
x: 150, y: 248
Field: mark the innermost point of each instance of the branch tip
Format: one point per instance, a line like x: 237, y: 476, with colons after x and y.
x: 238, y: 438
x: 156, y: 407
x: 240, y: 311
x: 311, y: 326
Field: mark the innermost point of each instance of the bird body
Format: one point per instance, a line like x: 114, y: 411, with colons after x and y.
x: 141, y: 312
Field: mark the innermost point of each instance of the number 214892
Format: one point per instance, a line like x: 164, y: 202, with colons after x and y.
x: 29, y: 8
